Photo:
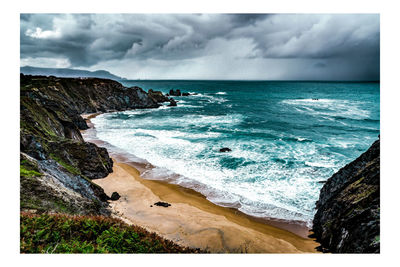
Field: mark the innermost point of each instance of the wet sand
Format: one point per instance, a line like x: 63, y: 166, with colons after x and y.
x: 192, y: 220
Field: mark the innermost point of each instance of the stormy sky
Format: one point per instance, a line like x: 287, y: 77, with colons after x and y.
x: 206, y: 46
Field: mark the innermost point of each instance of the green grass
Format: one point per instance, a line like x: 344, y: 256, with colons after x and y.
x: 60, y: 233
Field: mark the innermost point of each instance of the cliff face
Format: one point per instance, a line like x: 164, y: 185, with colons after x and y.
x: 348, y: 216
x: 56, y: 164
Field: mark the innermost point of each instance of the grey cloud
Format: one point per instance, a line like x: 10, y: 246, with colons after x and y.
x: 95, y: 40
x: 319, y: 65
x: 248, y: 18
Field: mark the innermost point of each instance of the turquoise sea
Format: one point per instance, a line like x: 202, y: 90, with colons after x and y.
x: 286, y: 138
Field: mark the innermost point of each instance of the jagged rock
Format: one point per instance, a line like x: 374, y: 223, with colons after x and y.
x: 172, y: 92
x: 185, y: 94
x: 47, y: 188
x: 348, y: 215
x: 158, y: 96
x: 83, y: 157
x: 162, y: 204
x: 225, y: 149
x: 172, y: 102
x: 115, y: 196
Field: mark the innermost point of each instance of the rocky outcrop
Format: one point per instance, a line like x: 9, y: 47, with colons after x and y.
x: 176, y: 92
x: 348, y: 215
x: 158, y: 96
x: 57, y: 165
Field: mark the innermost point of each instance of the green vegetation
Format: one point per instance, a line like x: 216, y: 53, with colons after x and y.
x: 67, y: 166
x: 28, y: 173
x: 59, y: 233
x: 28, y: 169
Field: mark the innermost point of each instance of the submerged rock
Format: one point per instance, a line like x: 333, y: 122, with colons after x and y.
x: 162, y: 204
x: 348, y: 215
x: 225, y: 149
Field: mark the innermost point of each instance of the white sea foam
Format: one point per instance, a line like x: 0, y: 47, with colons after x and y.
x: 329, y: 107
x: 211, y: 98
x: 220, y: 93
x: 320, y: 164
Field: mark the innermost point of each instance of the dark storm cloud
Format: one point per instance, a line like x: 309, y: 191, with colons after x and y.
x: 248, y: 18
x: 263, y: 46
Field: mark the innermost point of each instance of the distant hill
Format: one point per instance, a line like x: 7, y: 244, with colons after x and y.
x: 69, y: 73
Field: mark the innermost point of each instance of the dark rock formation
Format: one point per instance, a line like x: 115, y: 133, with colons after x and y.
x: 158, y: 96
x: 225, y: 149
x: 172, y: 92
x: 177, y: 92
x: 50, y: 138
x: 172, y: 102
x: 162, y: 204
x: 348, y: 216
x: 115, y: 196
x: 46, y: 186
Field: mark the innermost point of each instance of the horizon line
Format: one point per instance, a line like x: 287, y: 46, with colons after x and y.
x: 249, y: 80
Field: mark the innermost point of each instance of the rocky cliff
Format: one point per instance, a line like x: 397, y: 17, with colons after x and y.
x: 56, y: 164
x: 348, y: 216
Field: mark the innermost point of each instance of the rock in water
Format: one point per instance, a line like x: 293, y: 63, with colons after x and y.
x: 172, y: 102
x: 158, y: 96
x: 115, y: 196
x: 162, y: 204
x: 172, y: 92
x: 348, y: 216
x: 225, y: 149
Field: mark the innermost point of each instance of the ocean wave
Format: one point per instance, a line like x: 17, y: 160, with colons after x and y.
x: 220, y: 93
x: 210, y: 98
x: 320, y: 164
x: 336, y: 108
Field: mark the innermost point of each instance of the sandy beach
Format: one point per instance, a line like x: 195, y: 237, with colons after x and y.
x: 192, y: 220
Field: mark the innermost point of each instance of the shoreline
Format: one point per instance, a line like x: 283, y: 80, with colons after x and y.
x: 192, y: 220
